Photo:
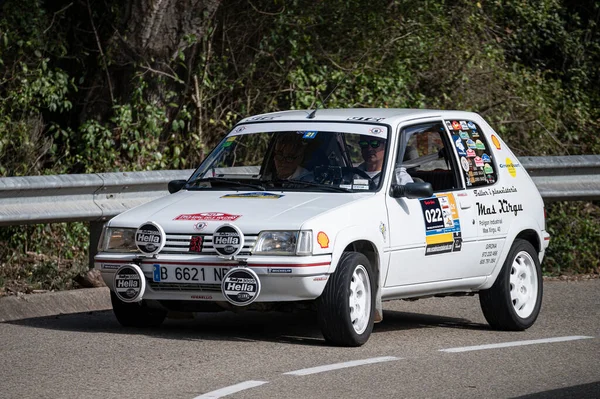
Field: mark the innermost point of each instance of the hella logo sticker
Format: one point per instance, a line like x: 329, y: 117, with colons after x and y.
x: 228, y: 240
x: 150, y: 238
x: 240, y: 286
x: 129, y: 283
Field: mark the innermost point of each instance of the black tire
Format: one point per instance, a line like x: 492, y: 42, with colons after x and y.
x: 136, y: 314
x: 513, y: 303
x: 333, y: 306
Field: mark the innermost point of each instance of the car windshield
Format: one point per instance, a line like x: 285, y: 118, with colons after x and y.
x: 331, y: 157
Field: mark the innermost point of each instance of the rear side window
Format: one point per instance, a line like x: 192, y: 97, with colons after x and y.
x: 474, y: 153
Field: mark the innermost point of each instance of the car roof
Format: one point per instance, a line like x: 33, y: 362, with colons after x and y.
x: 382, y: 115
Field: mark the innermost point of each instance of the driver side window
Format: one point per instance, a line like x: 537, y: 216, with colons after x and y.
x: 425, y: 154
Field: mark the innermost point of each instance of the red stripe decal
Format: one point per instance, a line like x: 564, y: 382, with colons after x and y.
x: 153, y: 261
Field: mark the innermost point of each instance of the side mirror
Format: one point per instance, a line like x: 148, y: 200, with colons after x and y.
x: 176, y: 185
x: 412, y: 190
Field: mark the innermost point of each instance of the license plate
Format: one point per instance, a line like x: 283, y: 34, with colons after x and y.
x: 188, y: 274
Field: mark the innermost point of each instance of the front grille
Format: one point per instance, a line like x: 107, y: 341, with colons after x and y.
x: 182, y: 287
x: 180, y: 244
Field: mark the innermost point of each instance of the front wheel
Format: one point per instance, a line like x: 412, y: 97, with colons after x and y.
x: 346, y: 307
x: 136, y: 314
x: 514, y: 301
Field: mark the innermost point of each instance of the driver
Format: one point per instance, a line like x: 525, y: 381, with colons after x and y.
x: 373, y: 151
x: 288, y: 155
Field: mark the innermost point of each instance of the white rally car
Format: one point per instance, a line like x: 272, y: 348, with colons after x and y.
x: 336, y: 210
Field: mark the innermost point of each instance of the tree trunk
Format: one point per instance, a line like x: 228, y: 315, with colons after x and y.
x: 156, y: 40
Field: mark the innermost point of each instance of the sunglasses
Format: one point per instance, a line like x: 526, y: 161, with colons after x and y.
x: 370, y: 143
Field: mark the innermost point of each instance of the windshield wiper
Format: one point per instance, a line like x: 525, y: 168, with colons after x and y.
x: 310, y: 184
x: 227, y: 181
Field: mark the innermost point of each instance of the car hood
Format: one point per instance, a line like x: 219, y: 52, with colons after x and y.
x: 252, y: 211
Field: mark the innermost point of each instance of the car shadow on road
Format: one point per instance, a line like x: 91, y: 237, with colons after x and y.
x: 297, y: 328
x: 394, y: 320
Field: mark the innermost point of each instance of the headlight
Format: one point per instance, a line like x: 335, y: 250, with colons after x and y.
x: 283, y: 243
x: 118, y: 239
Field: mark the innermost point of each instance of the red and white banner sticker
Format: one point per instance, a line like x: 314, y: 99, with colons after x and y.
x: 216, y: 216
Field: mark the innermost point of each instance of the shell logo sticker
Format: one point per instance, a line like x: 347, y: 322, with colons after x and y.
x: 496, y: 142
x: 323, y: 240
x: 511, y: 167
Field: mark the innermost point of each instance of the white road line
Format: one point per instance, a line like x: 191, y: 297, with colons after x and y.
x: 219, y: 393
x: 515, y: 343
x: 337, y: 366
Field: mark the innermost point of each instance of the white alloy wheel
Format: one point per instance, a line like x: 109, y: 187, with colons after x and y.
x: 360, y: 299
x: 523, y: 284
x: 346, y: 309
x: 513, y: 303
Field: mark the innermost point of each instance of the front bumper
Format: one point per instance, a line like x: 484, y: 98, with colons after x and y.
x: 283, y: 278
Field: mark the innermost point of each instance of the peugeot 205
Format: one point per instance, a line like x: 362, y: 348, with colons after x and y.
x: 336, y: 210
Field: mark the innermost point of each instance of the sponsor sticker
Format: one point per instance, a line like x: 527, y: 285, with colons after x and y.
x: 309, y: 135
x: 470, y: 153
x: 510, y: 166
x: 228, y: 240
x: 322, y: 240
x: 465, y: 164
x: 376, y: 130
x: 471, y: 144
x: 240, y: 286
x: 129, y: 283
x: 463, y: 125
x: 230, y: 140
x: 486, y: 157
x: 496, y: 142
x: 460, y: 148
x: 479, y: 145
x: 455, y: 125
x: 442, y: 224
x: 382, y: 230
x: 280, y: 270
x: 449, y: 126
x: 471, y: 125
x: 365, y: 119
x: 478, y: 162
x: 464, y: 135
x: 259, y: 194
x: 150, y: 238
x: 209, y: 216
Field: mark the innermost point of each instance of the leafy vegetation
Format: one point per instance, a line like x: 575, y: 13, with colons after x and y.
x: 88, y: 86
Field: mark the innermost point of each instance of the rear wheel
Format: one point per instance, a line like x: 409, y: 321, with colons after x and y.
x: 136, y: 314
x: 515, y: 299
x: 346, y: 308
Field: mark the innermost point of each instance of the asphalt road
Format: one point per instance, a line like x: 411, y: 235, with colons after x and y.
x: 431, y: 348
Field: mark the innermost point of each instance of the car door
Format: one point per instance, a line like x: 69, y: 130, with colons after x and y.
x: 430, y: 238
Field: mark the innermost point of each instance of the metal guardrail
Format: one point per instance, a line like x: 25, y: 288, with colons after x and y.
x: 95, y: 198
x: 100, y: 196
x: 85, y: 197
x: 565, y: 178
